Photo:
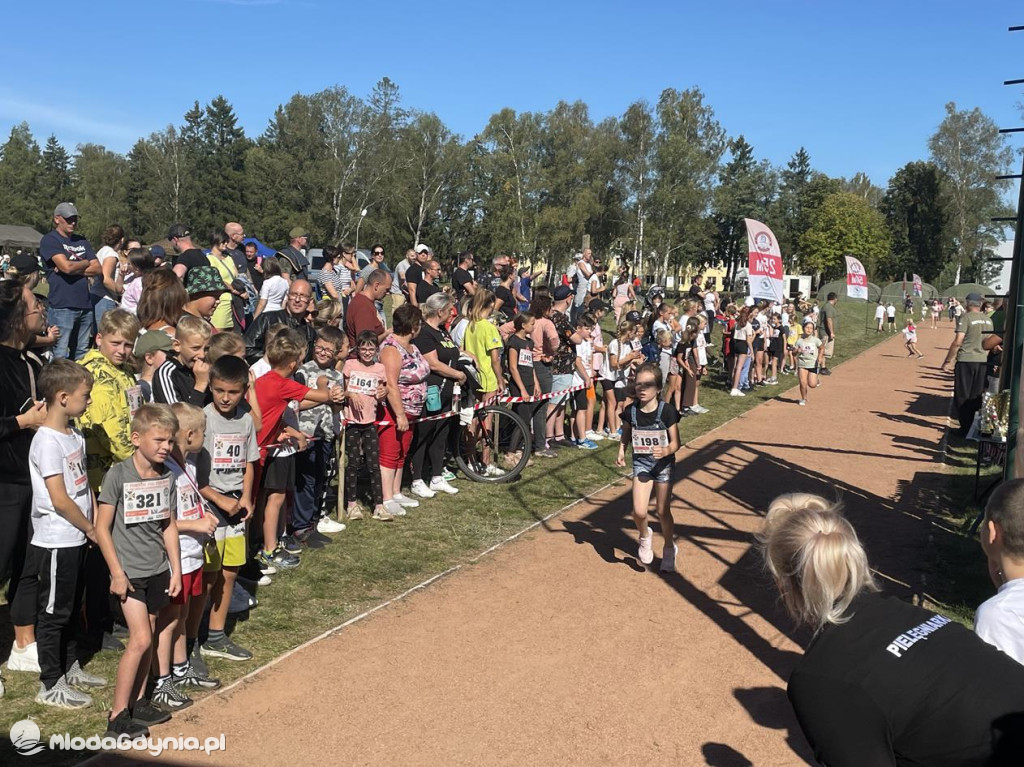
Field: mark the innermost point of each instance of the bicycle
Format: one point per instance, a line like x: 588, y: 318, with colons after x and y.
x: 495, y: 432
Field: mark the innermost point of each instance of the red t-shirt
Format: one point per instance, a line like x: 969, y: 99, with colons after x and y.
x: 361, y: 315
x: 273, y: 392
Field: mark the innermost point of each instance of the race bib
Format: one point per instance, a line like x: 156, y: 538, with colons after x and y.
x: 526, y: 358
x: 147, y: 501
x: 189, y: 504
x: 76, y: 463
x: 135, y: 399
x: 645, y: 440
x: 636, y: 345
x: 228, y: 451
x: 363, y: 383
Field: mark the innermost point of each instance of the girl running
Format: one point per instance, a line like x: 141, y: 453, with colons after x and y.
x: 810, y: 353
x: 910, y: 334
x: 651, y: 428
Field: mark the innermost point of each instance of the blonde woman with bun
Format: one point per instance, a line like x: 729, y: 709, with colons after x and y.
x: 883, y: 682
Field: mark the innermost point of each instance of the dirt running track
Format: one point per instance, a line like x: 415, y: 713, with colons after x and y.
x: 560, y: 649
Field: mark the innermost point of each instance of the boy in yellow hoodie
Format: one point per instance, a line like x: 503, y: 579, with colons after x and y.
x: 106, y: 425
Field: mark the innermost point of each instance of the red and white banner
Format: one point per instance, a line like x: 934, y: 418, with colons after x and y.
x: 856, y: 279
x: 764, y: 270
x: 918, y: 285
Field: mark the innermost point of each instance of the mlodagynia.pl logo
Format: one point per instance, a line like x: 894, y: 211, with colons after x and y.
x: 27, y: 740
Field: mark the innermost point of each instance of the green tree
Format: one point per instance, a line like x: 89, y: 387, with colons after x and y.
x: 970, y: 151
x: 101, y: 189
x: 861, y: 186
x: 433, y: 163
x: 637, y: 129
x: 915, y: 213
x: 55, y: 176
x: 844, y: 224
x: 747, y: 190
x: 21, y: 165
x: 789, y: 213
x: 688, y: 153
x: 158, y: 176
x: 220, y: 167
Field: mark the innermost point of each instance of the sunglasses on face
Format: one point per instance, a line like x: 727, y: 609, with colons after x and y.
x: 378, y: 252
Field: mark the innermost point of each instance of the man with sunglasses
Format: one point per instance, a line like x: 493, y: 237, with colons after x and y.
x: 70, y: 262
x: 294, y: 314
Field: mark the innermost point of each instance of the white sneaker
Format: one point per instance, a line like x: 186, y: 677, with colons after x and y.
x: 802, y: 402
x: 438, y: 485
x: 699, y: 409
x: 646, y: 551
x: 394, y: 508
x: 62, y: 695
x: 419, y: 488
x: 404, y: 500
x: 595, y: 436
x: 264, y: 581
x: 494, y: 471
x: 736, y: 393
x: 26, y: 659
x: 328, y: 525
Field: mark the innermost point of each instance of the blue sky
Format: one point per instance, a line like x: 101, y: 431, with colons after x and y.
x: 862, y: 85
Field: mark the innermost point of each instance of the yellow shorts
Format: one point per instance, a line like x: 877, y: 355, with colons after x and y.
x: 228, y: 548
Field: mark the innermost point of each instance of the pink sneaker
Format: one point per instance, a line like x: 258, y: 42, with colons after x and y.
x: 646, y: 554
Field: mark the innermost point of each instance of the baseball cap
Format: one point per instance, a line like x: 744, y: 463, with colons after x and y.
x: 421, y: 248
x: 633, y: 316
x: 66, y: 210
x: 561, y: 293
x: 297, y: 232
x: 157, y: 252
x: 179, y: 230
x: 152, y: 341
x: 203, y: 279
x: 975, y: 298
x: 25, y: 263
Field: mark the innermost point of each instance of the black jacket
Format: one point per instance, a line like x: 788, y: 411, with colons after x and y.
x: 173, y: 382
x: 257, y: 331
x: 292, y: 260
x: 16, y: 388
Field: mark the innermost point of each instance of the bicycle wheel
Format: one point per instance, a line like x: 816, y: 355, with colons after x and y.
x: 494, y: 446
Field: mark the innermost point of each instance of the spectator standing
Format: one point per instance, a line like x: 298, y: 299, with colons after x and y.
x: 462, y: 278
x: 362, y: 310
x: 428, y: 286
x: 580, y: 282
x: 971, y: 358
x: 398, y: 289
x: 189, y: 256
x: 563, y: 363
x: 827, y: 331
x: 235, y: 245
x: 70, y: 263
x: 414, y: 274
x: 109, y: 284
x: 295, y: 314
x: 229, y: 312
x: 292, y: 256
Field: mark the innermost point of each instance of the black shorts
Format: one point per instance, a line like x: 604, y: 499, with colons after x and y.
x: 740, y: 347
x: 579, y: 400
x: 620, y: 394
x: 152, y: 591
x: 279, y: 473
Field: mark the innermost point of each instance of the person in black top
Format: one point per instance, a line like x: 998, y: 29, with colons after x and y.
x: 430, y: 438
x: 292, y: 257
x: 462, y: 277
x: 414, y: 274
x: 189, y: 256
x: 295, y: 314
x: 22, y: 318
x: 504, y: 301
x: 427, y: 285
x: 883, y: 682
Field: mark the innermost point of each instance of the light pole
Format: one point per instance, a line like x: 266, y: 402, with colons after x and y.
x: 362, y: 215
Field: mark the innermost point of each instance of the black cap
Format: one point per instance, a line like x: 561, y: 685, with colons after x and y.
x: 179, y: 230
x: 633, y: 316
x: 596, y: 305
x: 25, y: 263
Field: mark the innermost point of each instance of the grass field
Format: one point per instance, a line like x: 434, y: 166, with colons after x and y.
x: 371, y: 562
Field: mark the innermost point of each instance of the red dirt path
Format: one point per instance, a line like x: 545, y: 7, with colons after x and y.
x: 559, y: 649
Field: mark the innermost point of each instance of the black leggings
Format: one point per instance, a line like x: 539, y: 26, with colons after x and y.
x: 15, y: 522
x: 363, y: 456
x: 429, y: 442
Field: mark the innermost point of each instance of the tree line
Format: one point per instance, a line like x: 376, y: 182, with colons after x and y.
x: 662, y: 187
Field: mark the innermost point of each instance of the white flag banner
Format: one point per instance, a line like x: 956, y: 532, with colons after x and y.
x: 764, y: 269
x: 856, y: 279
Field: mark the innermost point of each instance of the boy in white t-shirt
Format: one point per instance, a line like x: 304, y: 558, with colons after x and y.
x: 1000, y: 619
x: 62, y: 522
x: 583, y: 400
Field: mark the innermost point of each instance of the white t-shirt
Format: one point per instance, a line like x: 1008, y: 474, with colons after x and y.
x: 458, y: 332
x: 1000, y: 619
x: 54, y: 453
x: 595, y: 284
x: 190, y: 507
x: 102, y: 255
x: 585, y: 351
x: 879, y: 312
x: 620, y: 375
x: 274, y: 291
x: 891, y: 311
x: 709, y: 301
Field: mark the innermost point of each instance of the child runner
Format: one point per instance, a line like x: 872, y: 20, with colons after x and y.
x: 583, y: 402
x: 810, y: 352
x: 523, y: 380
x: 366, y: 387
x: 139, y: 540
x: 651, y: 428
x: 62, y: 514
x: 910, y: 336
x: 150, y: 352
